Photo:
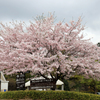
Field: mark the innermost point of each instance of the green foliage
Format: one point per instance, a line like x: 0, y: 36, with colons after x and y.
x: 48, y: 95
x: 98, y: 44
x: 80, y: 83
x: 12, y: 81
x: 11, y: 84
x: 76, y: 82
x: 28, y: 76
x: 66, y: 85
x: 13, y: 76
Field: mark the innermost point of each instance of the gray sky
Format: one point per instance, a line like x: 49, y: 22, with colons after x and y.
x: 25, y: 10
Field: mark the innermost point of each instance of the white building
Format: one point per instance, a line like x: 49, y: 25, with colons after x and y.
x: 3, y: 83
x: 59, y: 82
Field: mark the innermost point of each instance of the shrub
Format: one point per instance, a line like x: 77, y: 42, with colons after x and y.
x: 48, y: 95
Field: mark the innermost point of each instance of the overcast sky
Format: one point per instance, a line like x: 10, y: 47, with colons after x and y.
x: 25, y: 10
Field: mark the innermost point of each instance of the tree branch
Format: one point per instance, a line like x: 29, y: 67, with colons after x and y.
x: 43, y: 75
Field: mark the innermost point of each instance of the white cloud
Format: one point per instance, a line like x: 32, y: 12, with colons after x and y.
x: 92, y: 34
x: 24, y: 10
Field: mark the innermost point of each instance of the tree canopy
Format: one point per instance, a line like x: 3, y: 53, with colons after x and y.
x: 48, y: 48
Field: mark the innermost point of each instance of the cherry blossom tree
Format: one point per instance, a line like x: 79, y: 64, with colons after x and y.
x: 48, y: 48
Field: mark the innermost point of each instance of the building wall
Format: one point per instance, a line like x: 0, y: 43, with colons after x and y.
x: 4, y: 86
x: 3, y: 82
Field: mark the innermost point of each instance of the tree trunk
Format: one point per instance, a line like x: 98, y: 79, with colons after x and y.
x: 95, y: 89
x: 54, y: 85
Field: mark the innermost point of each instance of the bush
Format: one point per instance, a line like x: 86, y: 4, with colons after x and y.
x: 48, y: 95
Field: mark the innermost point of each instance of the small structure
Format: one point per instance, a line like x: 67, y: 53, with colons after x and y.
x: 3, y: 83
x: 20, y: 81
x: 40, y: 83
